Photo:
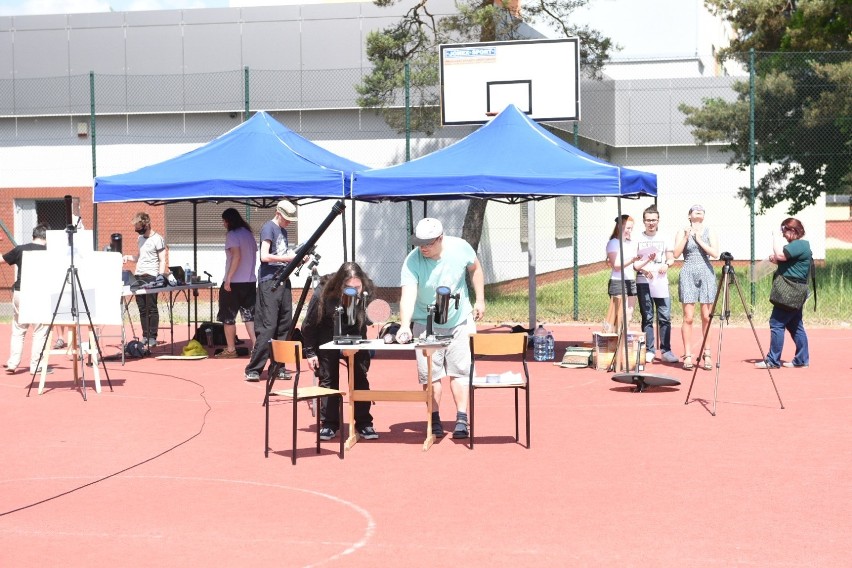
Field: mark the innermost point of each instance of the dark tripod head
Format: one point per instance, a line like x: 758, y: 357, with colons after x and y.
x: 724, y: 281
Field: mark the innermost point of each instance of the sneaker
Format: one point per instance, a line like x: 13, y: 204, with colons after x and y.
x: 284, y: 375
x: 225, y: 354
x: 367, y: 432
x: 791, y: 365
x: 49, y: 371
x: 764, y: 365
x: 149, y: 341
x: 252, y: 376
x: 10, y: 371
x: 327, y: 433
x: 649, y: 357
x: 670, y: 357
x: 460, y: 430
x: 60, y: 343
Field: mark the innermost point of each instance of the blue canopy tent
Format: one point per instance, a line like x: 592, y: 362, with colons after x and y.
x: 260, y: 162
x: 511, y: 159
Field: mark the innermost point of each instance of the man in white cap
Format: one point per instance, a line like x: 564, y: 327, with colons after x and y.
x: 440, y: 260
x: 273, y: 311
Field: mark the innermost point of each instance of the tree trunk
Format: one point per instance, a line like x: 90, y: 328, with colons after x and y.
x: 473, y: 221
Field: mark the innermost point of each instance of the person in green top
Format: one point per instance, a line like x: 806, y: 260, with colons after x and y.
x: 442, y: 261
x: 794, y: 261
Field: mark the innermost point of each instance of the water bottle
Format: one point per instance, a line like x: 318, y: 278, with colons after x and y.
x: 550, y: 344
x: 540, y: 344
x: 187, y: 273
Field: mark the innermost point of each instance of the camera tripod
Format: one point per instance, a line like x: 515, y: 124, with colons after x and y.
x: 723, y: 291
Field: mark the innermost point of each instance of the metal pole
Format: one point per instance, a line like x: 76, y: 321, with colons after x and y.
x: 246, y: 92
x: 94, y: 155
x: 409, y: 213
x: 574, y: 236
x: 532, y: 262
x: 751, y: 164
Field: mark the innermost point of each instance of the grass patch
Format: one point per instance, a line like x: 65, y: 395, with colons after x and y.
x: 555, y: 301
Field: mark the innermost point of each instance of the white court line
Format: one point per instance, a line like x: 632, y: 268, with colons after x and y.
x: 369, y: 531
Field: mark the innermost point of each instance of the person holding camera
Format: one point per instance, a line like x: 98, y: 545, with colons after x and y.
x: 697, y: 282
x: 440, y: 260
x: 794, y: 260
x: 150, y: 266
x: 318, y: 328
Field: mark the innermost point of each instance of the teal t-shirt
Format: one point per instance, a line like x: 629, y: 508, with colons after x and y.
x: 798, y: 261
x: 449, y: 270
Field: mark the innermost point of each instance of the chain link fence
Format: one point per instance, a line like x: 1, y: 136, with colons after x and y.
x: 99, y: 124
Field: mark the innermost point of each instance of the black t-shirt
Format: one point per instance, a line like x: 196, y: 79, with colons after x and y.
x: 16, y: 257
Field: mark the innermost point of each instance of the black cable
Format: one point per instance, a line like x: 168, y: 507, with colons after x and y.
x: 128, y: 468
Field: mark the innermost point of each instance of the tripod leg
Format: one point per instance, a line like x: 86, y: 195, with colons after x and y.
x: 704, y: 338
x: 756, y: 339
x: 92, y: 334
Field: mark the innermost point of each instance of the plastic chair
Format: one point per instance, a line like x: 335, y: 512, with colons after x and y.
x: 290, y: 352
x: 509, y: 347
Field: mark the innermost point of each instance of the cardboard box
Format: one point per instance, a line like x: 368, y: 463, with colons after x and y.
x: 605, y: 345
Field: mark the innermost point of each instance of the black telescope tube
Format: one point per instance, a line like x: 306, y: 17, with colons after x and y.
x: 285, y: 271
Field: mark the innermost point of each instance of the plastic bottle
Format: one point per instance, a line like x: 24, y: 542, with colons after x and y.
x: 187, y: 273
x: 550, y: 344
x: 540, y: 344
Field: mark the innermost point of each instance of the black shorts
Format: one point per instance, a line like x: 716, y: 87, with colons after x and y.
x: 240, y: 300
x: 615, y: 287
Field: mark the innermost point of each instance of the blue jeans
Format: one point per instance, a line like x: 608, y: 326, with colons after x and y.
x: 779, y: 321
x: 663, y: 306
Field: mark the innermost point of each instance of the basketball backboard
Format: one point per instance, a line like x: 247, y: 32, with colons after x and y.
x: 540, y: 77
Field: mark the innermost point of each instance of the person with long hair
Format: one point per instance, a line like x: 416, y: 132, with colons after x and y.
x: 697, y: 281
x: 622, y: 232
x: 318, y: 328
x: 794, y: 262
x: 238, y: 292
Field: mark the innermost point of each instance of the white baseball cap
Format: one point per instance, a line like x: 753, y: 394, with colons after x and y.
x: 427, y: 230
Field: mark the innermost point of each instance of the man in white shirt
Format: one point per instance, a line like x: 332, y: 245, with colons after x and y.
x: 652, y: 285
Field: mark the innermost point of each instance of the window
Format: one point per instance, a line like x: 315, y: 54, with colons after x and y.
x: 209, y: 225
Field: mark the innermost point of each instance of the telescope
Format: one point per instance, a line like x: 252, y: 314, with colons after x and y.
x: 283, y: 273
x: 438, y: 313
x: 346, y: 312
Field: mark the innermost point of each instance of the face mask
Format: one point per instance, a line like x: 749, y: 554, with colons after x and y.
x: 142, y: 230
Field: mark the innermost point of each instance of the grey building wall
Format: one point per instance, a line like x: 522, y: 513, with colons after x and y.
x: 298, y: 58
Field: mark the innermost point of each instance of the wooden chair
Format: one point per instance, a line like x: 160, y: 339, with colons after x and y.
x: 290, y: 352
x: 507, y: 346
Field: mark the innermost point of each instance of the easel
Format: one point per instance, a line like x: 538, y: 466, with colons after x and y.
x: 72, y: 276
x: 78, y: 350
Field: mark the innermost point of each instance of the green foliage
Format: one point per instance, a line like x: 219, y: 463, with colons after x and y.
x: 803, y: 99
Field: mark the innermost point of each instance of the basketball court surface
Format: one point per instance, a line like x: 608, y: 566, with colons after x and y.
x: 167, y: 469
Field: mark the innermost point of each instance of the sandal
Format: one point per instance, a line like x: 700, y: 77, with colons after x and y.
x: 687, y: 362
x: 708, y: 362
